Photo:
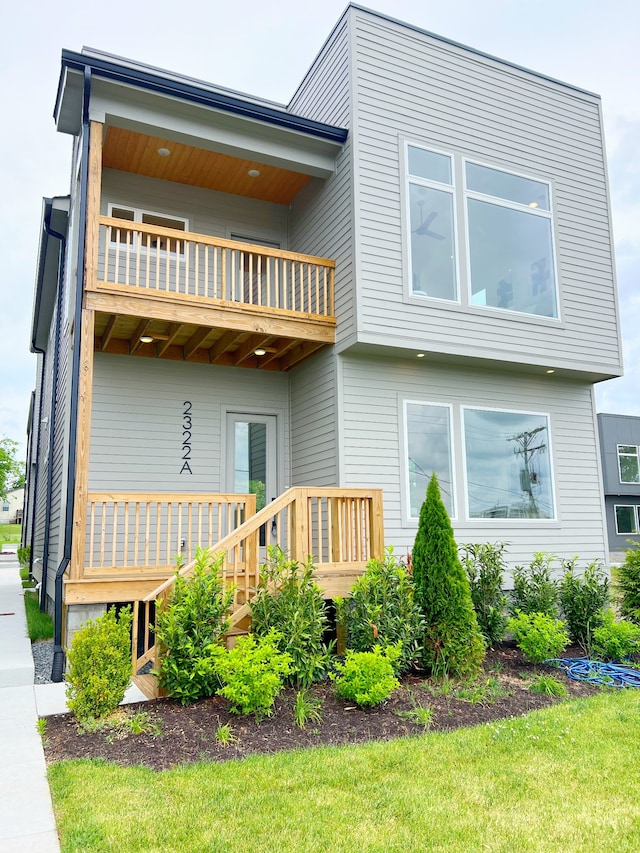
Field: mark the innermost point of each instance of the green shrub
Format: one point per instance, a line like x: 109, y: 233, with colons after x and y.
x: 381, y: 611
x: 189, y: 626
x: 291, y: 603
x: 253, y: 673
x: 534, y: 590
x: 583, y: 600
x: 538, y: 636
x: 615, y: 639
x: 484, y: 565
x: 367, y: 678
x: 24, y: 556
x: 628, y: 576
x: 452, y: 639
x: 548, y: 685
x: 99, y: 665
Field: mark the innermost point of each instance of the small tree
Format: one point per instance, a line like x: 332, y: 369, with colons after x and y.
x: 453, y: 643
x: 11, y: 471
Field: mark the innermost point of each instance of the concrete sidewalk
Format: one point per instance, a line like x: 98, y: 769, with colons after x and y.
x: 27, y: 824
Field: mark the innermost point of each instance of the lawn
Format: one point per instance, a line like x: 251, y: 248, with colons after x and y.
x: 561, y: 779
x: 10, y: 534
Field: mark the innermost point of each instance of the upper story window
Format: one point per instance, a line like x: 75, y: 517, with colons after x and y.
x: 508, y: 464
x: 507, y: 235
x: 431, y: 203
x: 511, y: 257
x: 628, y: 463
x: 147, y: 217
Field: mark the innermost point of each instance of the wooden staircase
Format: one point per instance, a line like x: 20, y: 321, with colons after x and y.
x: 342, y: 529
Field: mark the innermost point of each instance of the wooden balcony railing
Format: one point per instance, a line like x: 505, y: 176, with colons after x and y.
x: 136, y: 534
x: 340, y: 528
x: 181, y: 264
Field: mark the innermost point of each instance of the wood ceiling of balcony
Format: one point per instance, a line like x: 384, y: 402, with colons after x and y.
x: 120, y: 335
x: 135, y: 152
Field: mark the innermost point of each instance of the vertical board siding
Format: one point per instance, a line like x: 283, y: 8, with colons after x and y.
x: 314, y: 451
x: 321, y: 221
x: 137, y: 417
x: 373, y: 393
x: 411, y: 85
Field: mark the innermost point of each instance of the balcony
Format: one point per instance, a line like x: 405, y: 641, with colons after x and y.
x: 165, y: 293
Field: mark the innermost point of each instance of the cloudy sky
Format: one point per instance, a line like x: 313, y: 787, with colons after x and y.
x: 264, y: 49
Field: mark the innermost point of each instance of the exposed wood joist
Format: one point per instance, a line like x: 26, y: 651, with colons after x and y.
x: 141, y: 329
x: 195, y: 342
x: 108, y: 332
x: 172, y: 333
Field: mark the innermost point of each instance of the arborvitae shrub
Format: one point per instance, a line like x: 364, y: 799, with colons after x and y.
x: 99, y: 665
x: 453, y: 642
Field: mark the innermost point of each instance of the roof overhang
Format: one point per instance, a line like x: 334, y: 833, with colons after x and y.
x: 55, y: 219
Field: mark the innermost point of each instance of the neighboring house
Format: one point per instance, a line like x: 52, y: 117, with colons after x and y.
x: 11, y: 507
x: 619, y: 450
x: 407, y: 269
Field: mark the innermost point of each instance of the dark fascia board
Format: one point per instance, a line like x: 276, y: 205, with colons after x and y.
x: 144, y: 77
x: 55, y: 211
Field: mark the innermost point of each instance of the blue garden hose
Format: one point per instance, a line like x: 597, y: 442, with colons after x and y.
x: 597, y: 673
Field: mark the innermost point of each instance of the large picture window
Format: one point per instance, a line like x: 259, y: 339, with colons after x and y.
x: 428, y: 444
x: 628, y: 463
x: 510, y: 237
x: 508, y: 464
x: 432, y: 224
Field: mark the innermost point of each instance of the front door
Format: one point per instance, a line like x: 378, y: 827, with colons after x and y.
x: 251, y: 457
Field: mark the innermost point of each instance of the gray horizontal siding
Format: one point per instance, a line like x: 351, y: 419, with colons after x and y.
x: 373, y: 390
x: 410, y: 85
x: 314, y: 452
x: 136, y: 429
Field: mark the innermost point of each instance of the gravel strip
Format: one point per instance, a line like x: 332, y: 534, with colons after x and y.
x: 43, y: 660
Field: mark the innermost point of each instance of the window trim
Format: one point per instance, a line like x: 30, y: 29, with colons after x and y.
x: 138, y: 213
x: 516, y: 520
x: 636, y: 456
x: 407, y: 518
x: 452, y: 189
x: 521, y: 208
x: 636, y: 518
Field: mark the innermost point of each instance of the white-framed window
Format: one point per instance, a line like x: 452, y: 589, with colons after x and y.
x: 510, y: 241
x: 428, y: 449
x: 431, y: 217
x: 627, y: 518
x: 628, y: 465
x: 508, y: 470
x: 506, y: 229
x: 148, y: 217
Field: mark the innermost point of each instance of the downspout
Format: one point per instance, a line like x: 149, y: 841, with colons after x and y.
x: 54, y: 408
x: 57, y: 669
x: 36, y: 473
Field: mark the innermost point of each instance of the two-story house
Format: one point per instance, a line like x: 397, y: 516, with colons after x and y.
x: 407, y: 269
x: 620, y: 454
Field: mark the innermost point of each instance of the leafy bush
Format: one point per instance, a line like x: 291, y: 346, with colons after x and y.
x: 367, y: 678
x: 538, y: 636
x: 615, y: 639
x: 382, y: 611
x: 99, y: 665
x: 628, y: 577
x: 189, y: 625
x: 452, y: 639
x: 534, y: 590
x: 24, y: 556
x: 583, y: 600
x: 253, y: 673
x: 290, y: 602
x: 484, y: 565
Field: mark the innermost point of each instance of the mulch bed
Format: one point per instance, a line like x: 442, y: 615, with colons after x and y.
x: 188, y: 734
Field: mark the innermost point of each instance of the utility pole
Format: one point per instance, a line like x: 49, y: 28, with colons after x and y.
x: 525, y: 447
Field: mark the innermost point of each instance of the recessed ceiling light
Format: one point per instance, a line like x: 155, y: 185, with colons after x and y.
x: 146, y: 339
x: 551, y: 370
x: 253, y: 173
x: 164, y: 152
x: 420, y: 355
x: 260, y: 351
